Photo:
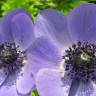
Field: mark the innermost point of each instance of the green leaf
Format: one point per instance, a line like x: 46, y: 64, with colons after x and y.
x: 34, y: 93
x: 35, y: 6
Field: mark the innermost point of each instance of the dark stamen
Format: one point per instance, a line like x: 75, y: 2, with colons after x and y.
x: 81, y: 61
x: 11, y: 58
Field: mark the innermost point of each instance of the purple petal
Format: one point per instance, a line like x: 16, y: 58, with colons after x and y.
x: 49, y: 83
x: 82, y: 23
x: 3, y: 77
x: 93, y: 89
x: 17, y: 26
x: 52, y: 24
x: 6, y: 26
x: 74, y: 87
x: 85, y: 89
x: 45, y: 49
x: 8, y: 87
x: 8, y: 91
x: 22, y: 28
x: 26, y: 81
x: 43, y: 53
x: 0, y: 27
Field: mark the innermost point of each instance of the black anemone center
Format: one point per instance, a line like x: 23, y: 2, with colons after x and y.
x: 83, y: 59
x: 80, y: 61
x: 11, y: 58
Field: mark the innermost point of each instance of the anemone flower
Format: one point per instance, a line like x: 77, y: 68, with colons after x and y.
x: 16, y: 36
x: 67, y: 47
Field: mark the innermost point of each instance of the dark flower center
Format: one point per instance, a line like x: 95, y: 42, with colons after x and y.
x: 80, y: 61
x: 11, y: 58
x: 83, y: 59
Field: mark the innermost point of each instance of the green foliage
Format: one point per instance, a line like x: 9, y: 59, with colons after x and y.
x: 34, y: 93
x: 35, y: 6
x: 94, y: 1
x: 1, y: 3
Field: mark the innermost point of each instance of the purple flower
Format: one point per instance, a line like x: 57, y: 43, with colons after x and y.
x: 16, y: 36
x: 65, y: 54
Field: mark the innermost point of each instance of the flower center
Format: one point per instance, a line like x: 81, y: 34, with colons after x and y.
x: 7, y: 56
x: 83, y: 59
x: 11, y: 58
x: 80, y: 61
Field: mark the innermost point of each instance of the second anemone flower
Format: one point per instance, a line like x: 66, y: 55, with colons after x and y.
x: 16, y: 36
x: 72, y: 40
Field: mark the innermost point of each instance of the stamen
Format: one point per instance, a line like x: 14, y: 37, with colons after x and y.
x: 81, y: 61
x: 11, y: 58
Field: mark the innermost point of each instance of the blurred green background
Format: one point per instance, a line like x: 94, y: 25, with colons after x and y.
x: 34, y: 6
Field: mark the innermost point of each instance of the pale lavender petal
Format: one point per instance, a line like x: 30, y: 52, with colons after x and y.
x: 45, y: 49
x: 85, y: 89
x: 3, y: 77
x: 94, y: 89
x: 49, y: 83
x: 74, y: 87
x: 8, y: 91
x: 43, y: 53
x: 82, y: 23
x: 8, y: 87
x: 0, y: 28
x: 17, y: 26
x: 22, y: 28
x: 25, y: 82
x: 52, y: 24
x: 6, y: 34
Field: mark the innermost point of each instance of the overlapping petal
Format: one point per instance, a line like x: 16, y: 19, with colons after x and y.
x: 74, y: 87
x: 44, y: 53
x: 18, y: 27
x: 8, y: 91
x: 8, y: 88
x: 53, y: 24
x: 81, y: 23
x: 0, y: 28
x: 3, y: 77
x: 6, y: 26
x: 85, y: 89
x: 25, y: 83
x: 22, y: 28
x: 49, y: 83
